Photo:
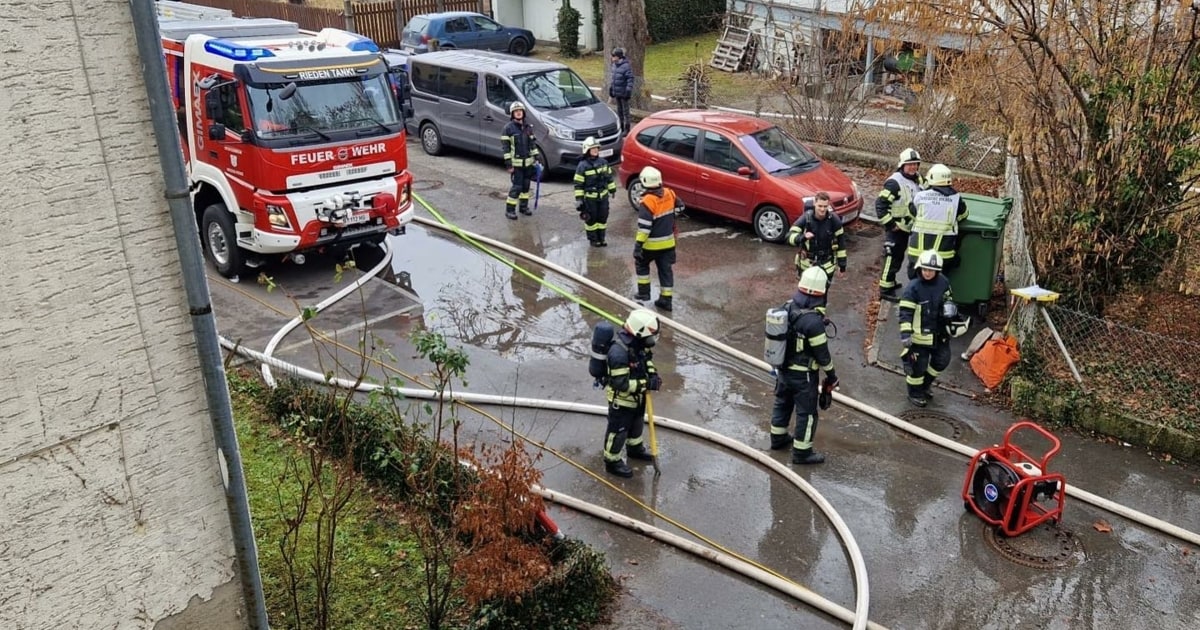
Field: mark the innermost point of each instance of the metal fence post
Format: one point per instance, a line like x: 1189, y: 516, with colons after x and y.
x: 348, y: 14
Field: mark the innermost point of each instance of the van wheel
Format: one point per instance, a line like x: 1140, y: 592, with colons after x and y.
x: 220, y: 241
x: 431, y: 139
x: 636, y: 192
x: 518, y: 46
x: 770, y: 224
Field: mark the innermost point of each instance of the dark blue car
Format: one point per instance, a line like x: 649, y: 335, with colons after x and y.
x: 463, y: 29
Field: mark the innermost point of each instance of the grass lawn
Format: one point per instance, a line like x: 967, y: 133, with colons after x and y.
x: 378, y: 566
x: 665, y: 65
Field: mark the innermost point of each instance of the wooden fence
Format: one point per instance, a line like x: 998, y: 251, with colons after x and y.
x: 381, y: 21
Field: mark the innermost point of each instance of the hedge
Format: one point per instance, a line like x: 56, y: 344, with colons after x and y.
x: 672, y: 19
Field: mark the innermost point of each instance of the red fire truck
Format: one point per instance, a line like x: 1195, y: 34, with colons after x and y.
x: 294, y: 140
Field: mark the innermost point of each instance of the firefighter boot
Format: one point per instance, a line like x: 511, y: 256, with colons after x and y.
x: 780, y: 442
x: 806, y: 456
x: 889, y: 295
x: 639, y: 452
x: 601, y: 234
x: 643, y: 293
x: 510, y: 212
x: 618, y: 468
x: 663, y: 302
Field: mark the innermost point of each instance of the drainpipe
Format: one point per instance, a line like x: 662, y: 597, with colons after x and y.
x: 204, y: 328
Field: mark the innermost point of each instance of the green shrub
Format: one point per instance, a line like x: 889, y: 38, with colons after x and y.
x: 568, y: 23
x: 672, y: 19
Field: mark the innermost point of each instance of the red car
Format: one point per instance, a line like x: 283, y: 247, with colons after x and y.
x: 735, y: 166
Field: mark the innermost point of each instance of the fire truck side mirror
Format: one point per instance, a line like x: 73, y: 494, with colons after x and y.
x: 216, y: 131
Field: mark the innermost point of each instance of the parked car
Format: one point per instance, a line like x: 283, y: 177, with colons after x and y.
x: 463, y: 29
x: 735, y: 166
x: 460, y: 98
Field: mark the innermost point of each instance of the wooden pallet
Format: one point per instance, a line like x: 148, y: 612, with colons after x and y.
x: 730, y: 53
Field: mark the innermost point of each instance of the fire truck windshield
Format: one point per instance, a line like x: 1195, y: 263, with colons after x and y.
x: 322, y: 110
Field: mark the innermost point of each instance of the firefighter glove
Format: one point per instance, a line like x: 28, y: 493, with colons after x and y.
x: 585, y: 217
x: 825, y: 400
x: 637, y: 252
x: 831, y: 381
x: 655, y: 383
x: 578, y: 205
x: 906, y: 341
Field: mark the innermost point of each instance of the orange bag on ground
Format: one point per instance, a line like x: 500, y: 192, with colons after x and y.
x: 992, y: 362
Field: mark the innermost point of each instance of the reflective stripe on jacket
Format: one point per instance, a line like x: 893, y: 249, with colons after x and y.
x: 656, y: 219
x: 594, y: 179
x: 892, y: 206
x: 518, y: 144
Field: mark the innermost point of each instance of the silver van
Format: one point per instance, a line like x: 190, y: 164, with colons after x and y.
x: 460, y: 99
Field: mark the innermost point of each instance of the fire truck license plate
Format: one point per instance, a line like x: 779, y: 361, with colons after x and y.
x: 356, y: 218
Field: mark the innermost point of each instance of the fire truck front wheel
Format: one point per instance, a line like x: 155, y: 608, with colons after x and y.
x: 220, y: 240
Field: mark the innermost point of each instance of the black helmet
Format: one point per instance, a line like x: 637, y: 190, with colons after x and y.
x: 618, y: 52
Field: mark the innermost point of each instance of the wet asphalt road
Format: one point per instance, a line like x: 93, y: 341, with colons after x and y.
x: 930, y: 564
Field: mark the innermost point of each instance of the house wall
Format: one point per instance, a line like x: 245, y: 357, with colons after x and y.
x: 111, y: 501
x: 540, y: 16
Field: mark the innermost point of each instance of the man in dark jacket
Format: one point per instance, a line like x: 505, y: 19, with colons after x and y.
x: 655, y: 238
x: 820, y: 236
x: 520, y: 158
x: 620, y: 86
x: 797, y: 385
x: 594, y: 184
x: 631, y: 374
x: 925, y: 344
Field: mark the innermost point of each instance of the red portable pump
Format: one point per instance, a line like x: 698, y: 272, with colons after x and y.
x: 1011, y: 490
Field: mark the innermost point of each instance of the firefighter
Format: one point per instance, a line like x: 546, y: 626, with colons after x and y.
x: 926, y: 313
x: 937, y: 211
x: 520, y: 158
x: 797, y: 385
x: 892, y: 208
x: 631, y: 374
x: 655, y: 239
x: 594, y: 185
x: 819, y: 235
x: 620, y: 86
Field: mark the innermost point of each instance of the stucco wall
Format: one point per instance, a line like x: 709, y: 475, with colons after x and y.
x: 111, y: 508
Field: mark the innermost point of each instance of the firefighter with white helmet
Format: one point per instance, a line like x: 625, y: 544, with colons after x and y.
x: 927, y: 310
x: 937, y: 212
x: 893, y: 209
x: 655, y: 238
x: 631, y: 373
x: 520, y: 158
x: 594, y: 185
x: 797, y: 381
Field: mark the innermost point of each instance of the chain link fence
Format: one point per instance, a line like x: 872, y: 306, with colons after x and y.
x: 1147, y: 375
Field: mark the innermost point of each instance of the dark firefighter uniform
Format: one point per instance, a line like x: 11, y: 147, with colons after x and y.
x: 827, y: 247
x: 937, y: 212
x: 893, y: 207
x: 630, y: 371
x: 797, y: 384
x: 594, y: 184
x: 655, y: 242
x: 928, y: 354
x: 520, y: 154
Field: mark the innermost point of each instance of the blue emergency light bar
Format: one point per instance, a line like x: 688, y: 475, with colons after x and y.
x: 237, y: 52
x: 363, y: 44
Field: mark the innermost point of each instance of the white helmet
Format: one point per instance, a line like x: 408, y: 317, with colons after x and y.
x: 813, y: 281
x: 642, y: 324
x: 939, y: 175
x: 929, y: 259
x: 590, y: 143
x: 651, y: 177
x: 909, y: 156
x: 515, y: 106
x: 958, y: 326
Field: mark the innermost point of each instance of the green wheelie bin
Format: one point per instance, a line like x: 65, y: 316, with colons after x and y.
x: 981, y: 244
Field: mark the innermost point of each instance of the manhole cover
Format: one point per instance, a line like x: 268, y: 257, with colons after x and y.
x: 1043, y: 547
x: 934, y: 422
x: 427, y: 184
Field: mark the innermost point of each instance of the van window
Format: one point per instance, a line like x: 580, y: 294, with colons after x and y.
x: 679, y: 141
x: 424, y: 77
x: 458, y: 85
x: 499, y: 93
